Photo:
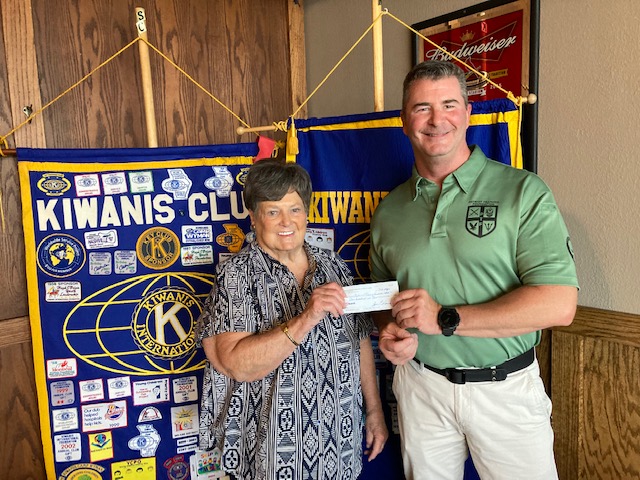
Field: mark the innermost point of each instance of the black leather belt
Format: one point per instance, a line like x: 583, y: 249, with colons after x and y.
x: 491, y: 374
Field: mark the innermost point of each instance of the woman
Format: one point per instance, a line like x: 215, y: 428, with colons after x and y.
x: 283, y: 394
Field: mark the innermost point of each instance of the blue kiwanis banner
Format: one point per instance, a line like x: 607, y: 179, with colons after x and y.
x: 121, y: 247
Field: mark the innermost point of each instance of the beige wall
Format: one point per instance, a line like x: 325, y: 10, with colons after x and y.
x: 589, y: 100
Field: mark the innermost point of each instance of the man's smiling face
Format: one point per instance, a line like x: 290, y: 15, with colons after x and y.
x: 435, y: 118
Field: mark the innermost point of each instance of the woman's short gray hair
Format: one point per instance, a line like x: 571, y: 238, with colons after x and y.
x: 270, y: 180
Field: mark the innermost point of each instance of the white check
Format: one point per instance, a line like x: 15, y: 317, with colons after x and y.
x: 370, y: 297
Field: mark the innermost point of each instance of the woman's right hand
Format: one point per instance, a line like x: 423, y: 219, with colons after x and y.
x: 326, y: 299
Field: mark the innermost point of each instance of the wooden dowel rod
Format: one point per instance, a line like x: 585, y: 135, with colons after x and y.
x: 8, y: 152
x: 265, y: 128
x: 147, y: 88
x: 378, y: 74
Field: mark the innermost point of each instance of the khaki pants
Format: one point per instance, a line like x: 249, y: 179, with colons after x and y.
x: 504, y: 425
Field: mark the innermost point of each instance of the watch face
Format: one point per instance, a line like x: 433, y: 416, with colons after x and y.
x: 448, y: 318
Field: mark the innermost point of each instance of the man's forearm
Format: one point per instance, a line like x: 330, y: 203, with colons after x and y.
x: 526, y: 309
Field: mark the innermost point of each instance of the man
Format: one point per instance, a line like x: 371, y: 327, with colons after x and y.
x: 484, y: 263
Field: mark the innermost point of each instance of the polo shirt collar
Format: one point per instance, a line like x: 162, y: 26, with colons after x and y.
x: 465, y: 175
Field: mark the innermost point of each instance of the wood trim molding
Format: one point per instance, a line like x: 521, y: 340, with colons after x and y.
x: 606, y: 325
x: 590, y: 322
x: 14, y: 331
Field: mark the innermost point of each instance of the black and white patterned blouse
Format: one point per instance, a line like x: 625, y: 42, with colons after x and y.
x: 303, y: 420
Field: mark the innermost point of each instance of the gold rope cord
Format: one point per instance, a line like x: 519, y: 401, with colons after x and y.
x: 509, y: 94
x: 275, y: 126
x: 3, y: 138
x: 292, y: 149
x: 281, y: 125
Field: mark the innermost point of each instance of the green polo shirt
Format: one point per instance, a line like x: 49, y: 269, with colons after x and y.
x: 491, y: 229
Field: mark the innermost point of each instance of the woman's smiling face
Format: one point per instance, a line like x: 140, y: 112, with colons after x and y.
x: 281, y: 225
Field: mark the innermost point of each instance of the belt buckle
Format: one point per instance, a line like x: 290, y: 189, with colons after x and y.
x: 455, y: 375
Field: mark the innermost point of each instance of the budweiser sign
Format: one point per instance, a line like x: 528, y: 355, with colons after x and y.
x: 493, y: 47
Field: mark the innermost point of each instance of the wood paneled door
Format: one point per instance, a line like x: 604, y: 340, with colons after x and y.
x: 595, y: 387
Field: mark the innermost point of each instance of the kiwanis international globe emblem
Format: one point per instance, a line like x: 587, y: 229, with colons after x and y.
x: 141, y: 326
x: 163, y: 322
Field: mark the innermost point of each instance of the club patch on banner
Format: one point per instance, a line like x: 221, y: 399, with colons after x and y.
x: 100, y: 446
x: 158, y: 248
x: 63, y: 291
x: 83, y: 471
x: 65, y: 419
x: 146, y: 442
x: 53, y: 184
x: 137, y: 469
x: 62, y: 368
x: 177, y: 468
x: 104, y: 416
x: 62, y: 393
x: 119, y: 387
x: 184, y: 421
x: 61, y: 255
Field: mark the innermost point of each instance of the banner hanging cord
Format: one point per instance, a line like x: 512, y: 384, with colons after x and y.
x: 275, y: 126
x: 47, y: 105
x: 196, y: 83
x: 3, y: 138
x: 377, y: 19
x: 282, y: 125
x: 518, y: 101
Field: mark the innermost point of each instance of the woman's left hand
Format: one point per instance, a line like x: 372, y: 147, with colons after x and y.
x: 376, y: 433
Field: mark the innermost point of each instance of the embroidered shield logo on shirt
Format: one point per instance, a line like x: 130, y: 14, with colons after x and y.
x: 481, y: 219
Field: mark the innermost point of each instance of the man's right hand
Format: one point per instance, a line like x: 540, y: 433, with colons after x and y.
x: 398, y: 345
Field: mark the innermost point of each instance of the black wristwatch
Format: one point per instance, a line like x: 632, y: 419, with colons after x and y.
x: 448, y: 319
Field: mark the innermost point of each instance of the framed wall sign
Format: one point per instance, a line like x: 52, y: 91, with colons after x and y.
x: 491, y: 37
x: 499, y: 39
